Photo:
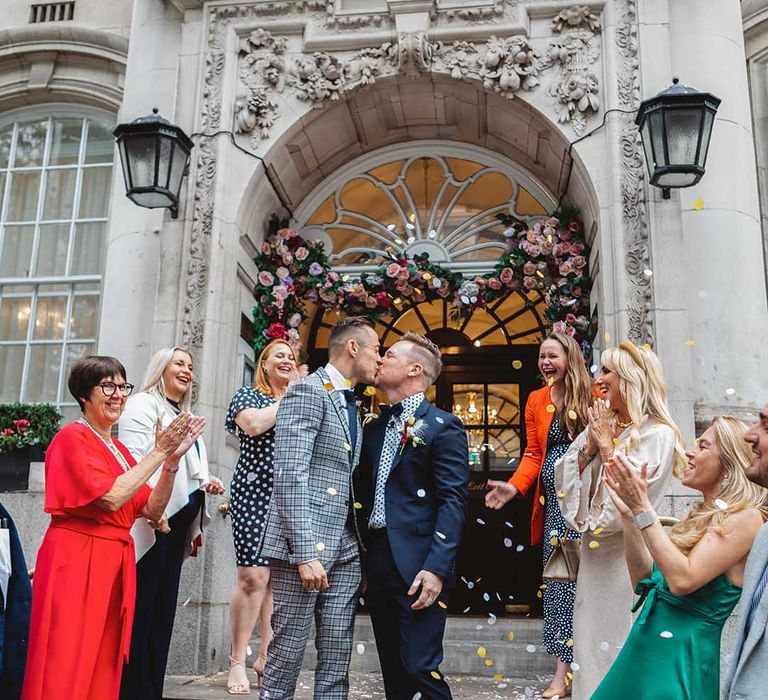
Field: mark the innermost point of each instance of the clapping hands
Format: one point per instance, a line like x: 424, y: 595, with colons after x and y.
x: 627, y: 488
x: 602, y: 427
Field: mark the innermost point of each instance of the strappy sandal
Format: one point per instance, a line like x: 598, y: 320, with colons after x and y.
x: 238, y: 688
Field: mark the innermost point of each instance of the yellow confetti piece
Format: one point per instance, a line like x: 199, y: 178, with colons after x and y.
x: 698, y: 204
x: 435, y: 674
x: 511, y: 636
x: 597, y: 531
x: 607, y: 337
x: 427, y: 276
x: 358, y: 505
x: 412, y: 217
x: 616, y: 441
x: 538, y: 594
x: 498, y: 677
x: 690, y: 342
x: 516, y: 364
x: 550, y: 381
x: 489, y: 662
x: 541, y: 500
x: 594, y: 545
x: 646, y: 346
x: 549, y: 238
x: 561, y: 494
x: 569, y: 643
x: 347, y: 383
x: 328, y: 386
x: 543, y: 586
x: 481, y: 652
x: 550, y: 408
x: 442, y: 605
x: 369, y: 390
x: 540, y: 274
x: 572, y: 415
x: 347, y: 447
x: 345, y: 278
x: 553, y: 541
x: 320, y: 546
x: 411, y: 420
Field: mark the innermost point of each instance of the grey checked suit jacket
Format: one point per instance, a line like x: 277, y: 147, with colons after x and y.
x: 312, y: 487
x: 747, y: 674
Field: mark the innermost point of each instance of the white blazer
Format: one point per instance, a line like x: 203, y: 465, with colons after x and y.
x: 136, y: 430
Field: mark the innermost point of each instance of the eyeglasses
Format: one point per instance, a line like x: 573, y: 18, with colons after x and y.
x: 109, y: 388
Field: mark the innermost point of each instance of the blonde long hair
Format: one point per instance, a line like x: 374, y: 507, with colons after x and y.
x: 153, y: 382
x: 737, y: 492
x: 642, y: 386
x: 578, y: 385
x: 260, y: 379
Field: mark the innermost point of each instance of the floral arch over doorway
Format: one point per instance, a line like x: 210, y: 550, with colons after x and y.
x: 424, y: 225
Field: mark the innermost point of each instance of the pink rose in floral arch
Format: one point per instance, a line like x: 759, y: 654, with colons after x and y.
x: 403, y: 274
x: 282, y: 272
x: 287, y: 259
x: 529, y: 269
x: 579, y: 261
x: 506, y: 275
x: 266, y: 279
x: 301, y: 253
x: 333, y: 276
x: 529, y: 282
x: 559, y: 327
x: 494, y: 283
x: 294, y: 320
x: 266, y: 249
x: 393, y: 270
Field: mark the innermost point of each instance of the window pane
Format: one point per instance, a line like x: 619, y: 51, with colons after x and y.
x: 85, y: 316
x: 94, y: 193
x: 101, y: 143
x: 75, y: 352
x: 17, y: 251
x: 65, y: 141
x: 43, y: 373
x: 86, y: 254
x: 11, y: 366
x: 50, y: 317
x: 52, y: 249
x: 14, y: 317
x: 469, y: 403
x: 25, y: 187
x: 30, y: 143
x: 6, y: 135
x: 59, y: 194
x: 3, y: 177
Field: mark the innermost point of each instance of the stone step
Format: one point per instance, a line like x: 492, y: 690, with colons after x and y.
x: 521, y: 656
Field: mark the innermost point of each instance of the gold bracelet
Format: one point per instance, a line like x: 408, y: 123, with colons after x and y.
x: 585, y: 455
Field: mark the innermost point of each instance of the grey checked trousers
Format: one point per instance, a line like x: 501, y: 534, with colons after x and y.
x: 334, y: 614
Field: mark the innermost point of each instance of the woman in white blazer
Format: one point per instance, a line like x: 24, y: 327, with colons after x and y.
x: 162, y: 547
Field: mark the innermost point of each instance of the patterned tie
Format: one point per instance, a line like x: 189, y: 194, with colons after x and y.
x: 756, y: 596
x: 349, y: 395
x: 388, y: 451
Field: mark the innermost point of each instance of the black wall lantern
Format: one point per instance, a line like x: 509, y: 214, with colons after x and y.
x: 675, y: 127
x: 154, y: 154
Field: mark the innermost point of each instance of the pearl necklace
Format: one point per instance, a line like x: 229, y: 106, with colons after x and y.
x: 119, y: 456
x: 623, y: 426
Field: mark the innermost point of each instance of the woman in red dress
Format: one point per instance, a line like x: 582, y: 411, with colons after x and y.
x: 84, y: 587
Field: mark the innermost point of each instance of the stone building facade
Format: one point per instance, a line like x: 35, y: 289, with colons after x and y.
x: 323, y: 93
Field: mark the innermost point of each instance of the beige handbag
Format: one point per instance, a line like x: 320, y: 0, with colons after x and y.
x: 563, y: 563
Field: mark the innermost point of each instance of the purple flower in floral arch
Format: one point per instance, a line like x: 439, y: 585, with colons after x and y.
x: 315, y: 269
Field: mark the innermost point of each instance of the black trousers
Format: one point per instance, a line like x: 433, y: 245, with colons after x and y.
x: 409, y: 642
x: 157, y: 589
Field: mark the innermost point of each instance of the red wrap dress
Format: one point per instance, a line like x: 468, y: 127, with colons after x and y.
x: 83, y: 593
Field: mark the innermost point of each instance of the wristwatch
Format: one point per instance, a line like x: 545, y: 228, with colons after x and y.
x: 646, y: 519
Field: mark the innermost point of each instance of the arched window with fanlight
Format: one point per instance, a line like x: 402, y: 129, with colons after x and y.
x: 55, y: 175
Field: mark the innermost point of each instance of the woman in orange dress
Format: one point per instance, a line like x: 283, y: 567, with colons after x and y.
x: 553, y: 414
x: 84, y: 587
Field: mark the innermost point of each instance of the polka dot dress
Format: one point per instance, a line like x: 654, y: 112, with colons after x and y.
x: 251, y: 486
x: 558, y: 596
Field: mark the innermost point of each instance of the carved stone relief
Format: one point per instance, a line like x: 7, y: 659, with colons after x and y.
x: 414, y: 53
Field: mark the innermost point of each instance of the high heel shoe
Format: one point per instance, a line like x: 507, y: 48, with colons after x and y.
x: 258, y: 668
x: 238, y: 688
x: 556, y: 692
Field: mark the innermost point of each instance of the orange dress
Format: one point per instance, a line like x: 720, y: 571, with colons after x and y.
x: 83, y: 593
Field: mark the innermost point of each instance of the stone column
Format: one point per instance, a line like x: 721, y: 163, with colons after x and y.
x: 722, y: 256
x: 134, y: 252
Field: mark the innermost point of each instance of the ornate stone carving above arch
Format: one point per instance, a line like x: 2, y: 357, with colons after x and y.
x: 62, y: 63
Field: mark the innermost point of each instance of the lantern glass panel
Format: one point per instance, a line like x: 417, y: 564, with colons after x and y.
x: 178, y: 165
x: 152, y: 200
x: 646, y: 139
x: 683, y: 135
x: 164, y: 166
x: 124, y: 163
x: 141, y: 152
x: 656, y: 127
x: 706, y: 132
x: 677, y: 179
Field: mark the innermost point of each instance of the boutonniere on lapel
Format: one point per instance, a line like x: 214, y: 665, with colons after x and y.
x: 411, y: 433
x: 370, y: 391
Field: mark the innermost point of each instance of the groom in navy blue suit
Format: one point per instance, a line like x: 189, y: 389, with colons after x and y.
x: 412, y: 483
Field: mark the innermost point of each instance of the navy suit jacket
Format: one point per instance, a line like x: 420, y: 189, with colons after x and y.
x: 13, y: 641
x: 426, y: 493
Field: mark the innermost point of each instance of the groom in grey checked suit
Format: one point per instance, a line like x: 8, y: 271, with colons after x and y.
x: 310, y: 536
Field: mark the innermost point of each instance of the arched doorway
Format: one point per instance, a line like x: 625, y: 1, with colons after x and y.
x: 444, y: 199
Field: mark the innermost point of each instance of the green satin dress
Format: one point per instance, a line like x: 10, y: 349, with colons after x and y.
x: 673, y: 649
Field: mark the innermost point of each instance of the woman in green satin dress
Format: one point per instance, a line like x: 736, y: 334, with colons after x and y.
x: 688, y: 580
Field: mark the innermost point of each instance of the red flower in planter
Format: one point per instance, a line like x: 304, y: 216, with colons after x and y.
x: 8, y: 431
x: 21, y: 425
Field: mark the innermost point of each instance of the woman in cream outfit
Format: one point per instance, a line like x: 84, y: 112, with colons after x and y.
x: 633, y: 418
x: 162, y: 547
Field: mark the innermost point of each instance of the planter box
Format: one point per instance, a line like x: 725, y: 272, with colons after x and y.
x: 14, y: 467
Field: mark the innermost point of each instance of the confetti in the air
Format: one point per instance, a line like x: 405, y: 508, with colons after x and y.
x: 361, y: 648
x: 721, y: 504
x: 572, y: 414
x: 550, y: 408
x: 440, y: 535
x: 511, y: 636
x: 491, y: 619
x: 186, y: 602
x: 730, y: 391
x: 604, y: 646
x: 331, y: 491
x: 421, y: 493
x: 442, y: 605
x: 507, y: 542
x: 666, y: 634
x: 480, y: 521
x: 320, y: 546
x: 508, y: 524
x: 597, y: 530
x: 481, y: 652
x: 517, y: 364
x: 519, y: 548
x: 531, y: 648
x: 647, y: 272
x: 698, y: 204
x: 435, y: 675
x: 594, y: 545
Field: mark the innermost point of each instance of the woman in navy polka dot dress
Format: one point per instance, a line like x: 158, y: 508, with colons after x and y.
x: 251, y: 417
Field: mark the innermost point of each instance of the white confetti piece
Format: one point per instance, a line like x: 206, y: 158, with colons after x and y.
x: 331, y: 491
x: 480, y: 521
x: 250, y: 476
x: 470, y: 585
x: 666, y: 634
x: 604, y: 646
x: 491, y: 619
x: 730, y: 391
x: 248, y: 650
x: 361, y: 648
x: 507, y: 542
x: 486, y: 598
x: 466, y: 610
x: 439, y: 420
x: 519, y: 548
x: 421, y: 493
x: 320, y: 546
x: 361, y: 600
x: 531, y: 648
x: 647, y: 272
x: 575, y: 667
x: 721, y: 504
x: 417, y: 696
x: 554, y: 533
x: 440, y: 535
x: 508, y: 524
